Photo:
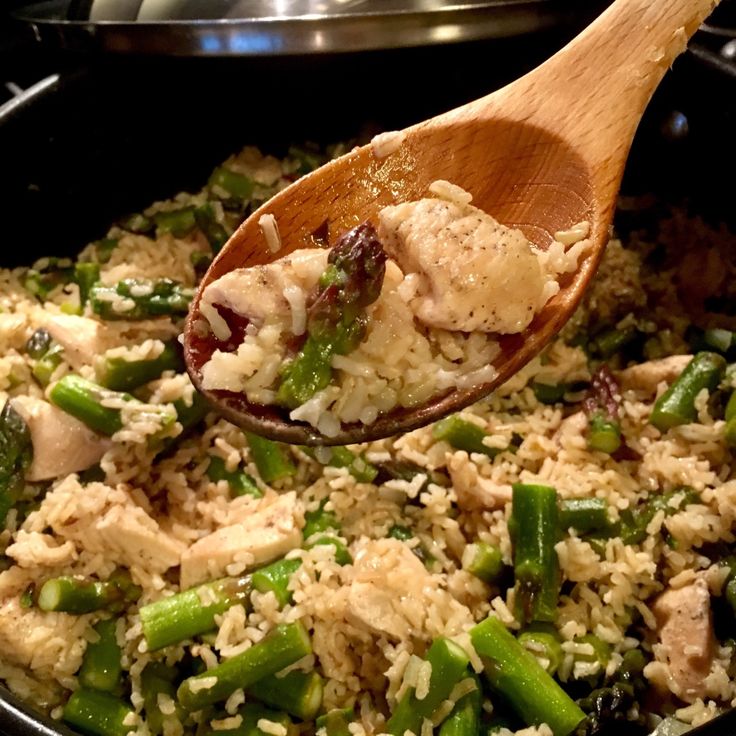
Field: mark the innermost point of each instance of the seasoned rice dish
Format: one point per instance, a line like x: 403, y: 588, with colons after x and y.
x: 556, y: 559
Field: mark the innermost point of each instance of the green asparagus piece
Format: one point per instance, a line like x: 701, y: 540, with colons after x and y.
x: 283, y: 646
x: 535, y: 526
x: 676, y: 406
x: 98, y: 714
x: 177, y: 222
x: 519, y: 678
x: 136, y: 299
x: 544, y: 644
x: 191, y: 612
x: 119, y: 374
x: 341, y: 457
x: 46, y: 275
x: 101, y: 667
x: 241, y: 484
x: 189, y: 415
x: 274, y: 578
x: 404, y: 534
x: 715, y: 339
x: 86, y: 275
x: 231, y: 183
x: 206, y: 219
x: 104, y: 249
x: 45, y: 366
x: 137, y: 223
x: 463, y: 435
x: 251, y: 714
x: 483, y: 560
x: 78, y: 595
x: 271, y: 458
x: 336, y: 320
x: 298, y: 693
x: 158, y: 679
x: 342, y: 553
x: 604, y: 434
x: 611, y: 341
x: 319, y: 520
x: 731, y: 407
x: 465, y: 717
x: 601, y: 651
x: 28, y: 596
x: 16, y: 456
x: 449, y: 665
x: 83, y: 399
x: 634, y: 522
x: 336, y: 722
x: 584, y: 515
x: 548, y: 393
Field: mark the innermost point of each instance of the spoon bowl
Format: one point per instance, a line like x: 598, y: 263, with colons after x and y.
x: 541, y: 154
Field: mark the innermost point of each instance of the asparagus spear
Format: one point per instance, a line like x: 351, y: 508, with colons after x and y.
x: 120, y: 374
x: 46, y: 275
x: 231, y: 183
x: 611, y: 341
x: 104, y: 249
x: 241, y: 484
x: 549, y: 393
x: 535, y: 526
x: 449, y: 665
x: 69, y: 594
x: 101, y: 666
x: 191, y: 612
x: 465, y: 717
x: 584, y: 515
x: 404, y: 534
x: 16, y: 456
x: 283, y: 646
x: 206, y: 219
x: 319, y: 520
x: 45, y: 366
x: 634, y: 522
x: 298, y: 693
x: 274, y: 578
x: 136, y: 299
x: 519, y: 678
x: 342, y: 553
x: 252, y: 714
x: 158, y: 679
x: 463, y: 435
x: 484, y: 561
x: 336, y: 722
x: 271, y: 458
x: 676, y: 406
x: 98, y: 714
x: 543, y: 642
x: 86, y: 275
x: 602, y: 408
x: 85, y: 400
x: 341, y: 457
x: 336, y: 318
x: 177, y: 222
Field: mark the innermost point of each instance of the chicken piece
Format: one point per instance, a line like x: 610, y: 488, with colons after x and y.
x: 471, y: 272
x: 33, y: 549
x: 647, y: 376
x: 51, y: 644
x: 258, y: 292
x: 473, y: 490
x: 685, y: 628
x: 265, y: 535
x: 83, y: 339
x: 386, y: 574
x: 61, y: 443
x: 101, y: 519
x: 368, y: 606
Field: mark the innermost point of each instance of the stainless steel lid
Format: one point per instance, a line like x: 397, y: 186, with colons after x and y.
x: 288, y: 27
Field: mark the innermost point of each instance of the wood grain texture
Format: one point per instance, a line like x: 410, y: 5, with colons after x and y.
x: 540, y: 154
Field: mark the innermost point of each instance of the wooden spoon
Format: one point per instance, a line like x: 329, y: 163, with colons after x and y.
x: 541, y: 154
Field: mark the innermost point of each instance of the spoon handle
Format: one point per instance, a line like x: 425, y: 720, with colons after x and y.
x: 610, y: 71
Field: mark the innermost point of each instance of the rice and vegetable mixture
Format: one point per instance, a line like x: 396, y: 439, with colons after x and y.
x: 557, y: 559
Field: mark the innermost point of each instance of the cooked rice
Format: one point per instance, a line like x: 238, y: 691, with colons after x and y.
x: 148, y: 510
